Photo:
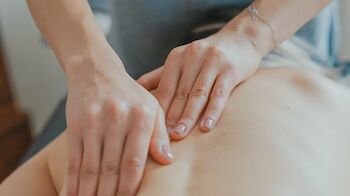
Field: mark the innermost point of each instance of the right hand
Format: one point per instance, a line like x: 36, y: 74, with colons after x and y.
x: 112, y: 123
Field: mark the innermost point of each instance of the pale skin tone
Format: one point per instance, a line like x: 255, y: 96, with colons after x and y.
x: 293, y: 141
x: 107, y: 156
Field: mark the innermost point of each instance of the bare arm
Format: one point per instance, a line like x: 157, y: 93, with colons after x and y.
x: 112, y: 122
x: 70, y: 28
x: 285, y: 17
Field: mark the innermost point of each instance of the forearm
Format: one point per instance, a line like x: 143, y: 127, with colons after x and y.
x: 284, y: 16
x: 70, y: 28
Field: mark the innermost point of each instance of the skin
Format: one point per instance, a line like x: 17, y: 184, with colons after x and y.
x: 293, y: 141
x: 113, y: 122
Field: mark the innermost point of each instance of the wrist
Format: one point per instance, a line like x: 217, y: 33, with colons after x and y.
x: 92, y: 62
x: 257, y: 32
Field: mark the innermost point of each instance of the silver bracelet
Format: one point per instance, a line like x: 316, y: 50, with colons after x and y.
x: 255, y: 14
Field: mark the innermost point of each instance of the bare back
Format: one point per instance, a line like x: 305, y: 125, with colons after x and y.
x: 283, y: 132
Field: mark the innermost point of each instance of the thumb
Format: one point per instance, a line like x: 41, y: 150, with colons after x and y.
x: 160, y: 144
x: 151, y: 79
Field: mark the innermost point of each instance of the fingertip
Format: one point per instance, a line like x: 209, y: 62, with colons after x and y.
x: 179, y: 132
x: 176, y: 136
x: 204, y: 129
x: 162, y: 154
x: 160, y: 144
x: 167, y: 153
x: 206, y: 125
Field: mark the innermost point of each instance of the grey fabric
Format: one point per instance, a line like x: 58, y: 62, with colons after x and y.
x: 144, y: 32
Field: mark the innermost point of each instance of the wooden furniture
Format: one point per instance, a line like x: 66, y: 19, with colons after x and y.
x: 15, y: 134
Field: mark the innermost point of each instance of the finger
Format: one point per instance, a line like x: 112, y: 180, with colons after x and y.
x: 199, y: 96
x: 75, y: 156
x: 151, y: 79
x: 192, y: 66
x: 218, y: 98
x: 170, y: 78
x: 135, y: 153
x: 110, y: 166
x: 160, y: 144
x: 90, y: 168
x: 112, y: 153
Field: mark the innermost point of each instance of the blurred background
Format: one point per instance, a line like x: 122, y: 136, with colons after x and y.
x: 37, y: 82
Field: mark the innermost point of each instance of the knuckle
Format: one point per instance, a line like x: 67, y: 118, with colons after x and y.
x: 141, y: 112
x: 189, y: 119
x: 71, y: 191
x: 126, y: 191
x: 73, y: 168
x: 89, y: 171
x: 199, y: 92
x: 181, y: 94
x: 171, y: 119
x: 163, y: 91
x: 174, y: 53
x: 116, y: 110
x: 195, y: 47
x: 110, y: 169
x: 91, y: 114
x: 213, y: 111
x: 143, y: 79
x: 231, y: 70
x: 213, y: 51
x: 112, y: 107
x: 133, y: 164
x: 91, y: 110
x: 220, y: 93
x: 137, y: 110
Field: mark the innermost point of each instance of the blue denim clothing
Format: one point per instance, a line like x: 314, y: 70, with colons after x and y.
x: 323, y: 35
x: 99, y: 5
x: 143, y: 32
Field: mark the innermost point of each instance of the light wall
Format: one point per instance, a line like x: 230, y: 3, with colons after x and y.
x: 37, y: 79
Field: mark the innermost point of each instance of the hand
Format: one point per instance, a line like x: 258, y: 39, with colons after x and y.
x: 198, y: 77
x: 112, y: 124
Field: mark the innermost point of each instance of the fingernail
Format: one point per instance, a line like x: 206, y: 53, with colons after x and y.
x: 167, y: 152
x: 207, y: 123
x: 180, y: 129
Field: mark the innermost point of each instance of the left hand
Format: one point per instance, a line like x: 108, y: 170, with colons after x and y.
x: 199, y: 77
